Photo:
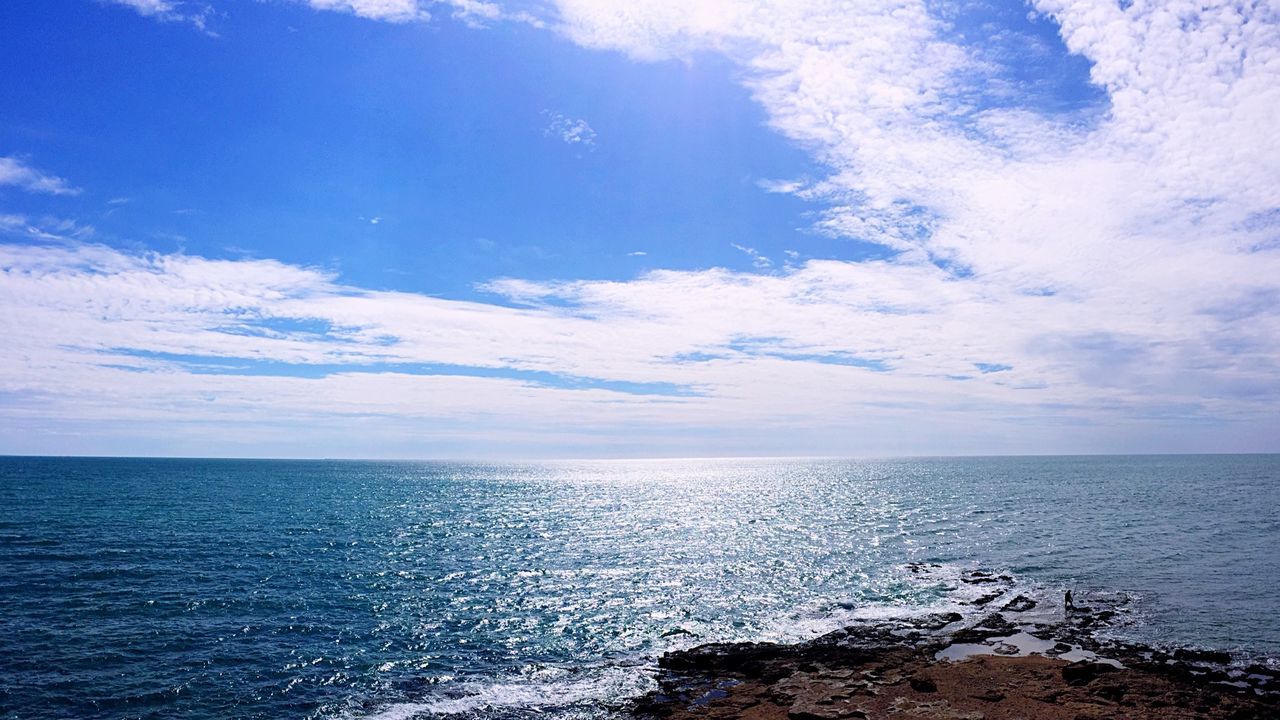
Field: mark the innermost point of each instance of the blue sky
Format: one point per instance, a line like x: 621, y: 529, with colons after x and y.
x: 287, y: 135
x: 400, y: 228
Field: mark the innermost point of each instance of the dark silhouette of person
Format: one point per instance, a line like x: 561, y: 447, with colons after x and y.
x: 1068, y: 604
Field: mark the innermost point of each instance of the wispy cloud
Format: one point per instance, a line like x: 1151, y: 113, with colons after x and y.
x: 1137, y: 209
x: 828, y: 349
x: 195, y: 13
x: 759, y: 261
x: 475, y: 13
x: 15, y: 172
x: 397, y: 11
x: 573, y: 131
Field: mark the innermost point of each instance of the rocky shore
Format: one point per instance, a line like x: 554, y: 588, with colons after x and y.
x: 1009, y: 660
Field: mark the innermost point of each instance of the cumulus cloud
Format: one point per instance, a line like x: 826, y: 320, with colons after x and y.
x: 573, y: 131
x: 15, y: 171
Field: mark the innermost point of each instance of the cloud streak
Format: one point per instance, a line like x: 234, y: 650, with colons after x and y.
x: 831, y: 349
x: 15, y: 172
x: 396, y: 11
x: 195, y: 13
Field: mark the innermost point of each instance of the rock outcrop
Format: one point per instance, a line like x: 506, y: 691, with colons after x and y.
x: 1002, y: 670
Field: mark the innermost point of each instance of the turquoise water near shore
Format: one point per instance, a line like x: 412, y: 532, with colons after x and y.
x: 137, y: 588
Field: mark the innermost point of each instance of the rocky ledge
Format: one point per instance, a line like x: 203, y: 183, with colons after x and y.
x: 1003, y: 665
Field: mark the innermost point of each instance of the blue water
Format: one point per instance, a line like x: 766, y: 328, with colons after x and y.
x: 277, y: 589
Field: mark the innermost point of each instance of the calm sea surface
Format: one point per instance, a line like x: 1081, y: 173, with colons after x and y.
x: 263, y: 589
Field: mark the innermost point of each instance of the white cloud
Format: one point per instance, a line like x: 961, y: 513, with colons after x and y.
x: 16, y: 172
x: 781, y: 186
x: 1124, y: 268
x: 47, y: 228
x: 195, y: 13
x: 757, y: 260
x: 397, y: 11
x: 475, y: 13
x: 573, y: 131
x: 150, y: 8
x: 821, y: 354
x: 1155, y: 212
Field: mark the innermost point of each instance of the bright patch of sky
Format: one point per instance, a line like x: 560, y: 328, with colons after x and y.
x: 402, y: 228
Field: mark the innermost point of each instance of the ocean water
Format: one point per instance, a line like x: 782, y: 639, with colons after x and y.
x: 137, y: 588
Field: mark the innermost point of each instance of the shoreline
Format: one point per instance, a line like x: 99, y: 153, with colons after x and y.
x: 1008, y: 662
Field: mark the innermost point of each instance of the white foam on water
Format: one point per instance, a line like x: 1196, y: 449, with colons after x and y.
x: 820, y: 617
x: 914, y: 591
x: 399, y: 711
x: 927, y: 589
x: 590, y: 688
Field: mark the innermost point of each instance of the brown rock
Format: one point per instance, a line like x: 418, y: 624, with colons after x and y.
x: 924, y: 685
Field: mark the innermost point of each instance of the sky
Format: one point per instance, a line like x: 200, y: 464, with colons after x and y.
x: 618, y: 228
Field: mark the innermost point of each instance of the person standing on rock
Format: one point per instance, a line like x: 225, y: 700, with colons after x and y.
x: 1068, y: 605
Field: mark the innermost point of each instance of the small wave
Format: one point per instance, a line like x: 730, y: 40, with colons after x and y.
x: 564, y: 690
x: 915, y: 590
x: 910, y: 592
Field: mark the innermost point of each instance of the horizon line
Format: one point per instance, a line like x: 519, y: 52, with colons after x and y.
x: 673, y: 458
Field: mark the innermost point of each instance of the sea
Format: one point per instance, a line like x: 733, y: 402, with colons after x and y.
x: 181, y: 588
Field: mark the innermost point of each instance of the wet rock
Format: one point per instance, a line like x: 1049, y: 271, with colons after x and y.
x: 983, y: 600
x: 1021, y: 603
x: 710, y: 696
x: 1210, y: 656
x: 1084, y: 672
x: 995, y: 621
x: 1258, y: 669
x: 888, y: 669
x: 992, y: 626
x: 1104, y: 616
x: 742, y: 659
x: 935, y: 621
